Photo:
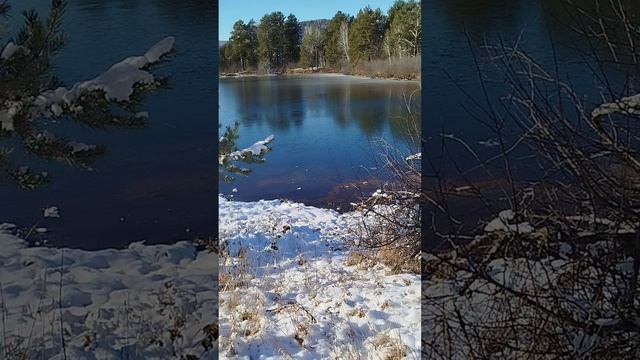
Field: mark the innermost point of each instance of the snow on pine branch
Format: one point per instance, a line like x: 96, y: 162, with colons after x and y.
x: 11, y: 49
x: 11, y: 108
x: 229, y: 155
x: 629, y: 105
x: 416, y: 156
x: 257, y: 149
x: 117, y: 83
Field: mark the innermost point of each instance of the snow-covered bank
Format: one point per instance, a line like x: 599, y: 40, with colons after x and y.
x: 290, y: 289
x: 522, y: 290
x: 143, y: 302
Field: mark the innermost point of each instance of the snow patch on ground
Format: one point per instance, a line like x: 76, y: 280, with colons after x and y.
x: 503, y: 222
x: 142, y: 302
x: 287, y: 291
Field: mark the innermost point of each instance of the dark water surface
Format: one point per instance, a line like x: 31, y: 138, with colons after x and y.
x: 451, y: 84
x: 450, y: 76
x: 155, y: 184
x: 327, y: 132
x: 454, y: 45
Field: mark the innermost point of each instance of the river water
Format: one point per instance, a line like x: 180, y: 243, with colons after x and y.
x: 156, y: 184
x: 455, y: 38
x: 329, y: 131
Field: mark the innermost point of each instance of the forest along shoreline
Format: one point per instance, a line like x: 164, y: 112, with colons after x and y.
x: 370, y: 43
x: 312, y: 73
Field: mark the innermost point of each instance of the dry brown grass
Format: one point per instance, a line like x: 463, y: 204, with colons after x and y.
x: 357, y: 313
x: 391, y: 348
x: 397, y: 259
x: 361, y: 260
x: 398, y: 68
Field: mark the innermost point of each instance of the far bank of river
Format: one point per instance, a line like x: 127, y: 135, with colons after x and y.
x: 315, y: 73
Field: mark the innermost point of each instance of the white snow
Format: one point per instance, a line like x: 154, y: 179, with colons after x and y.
x: 489, y: 142
x: 52, y: 212
x: 161, y: 48
x: 487, y: 304
x: 56, y: 109
x: 77, y: 147
x: 416, y: 156
x: 297, y: 297
x: 503, y: 222
x: 627, y: 105
x: 7, y: 112
x: 257, y: 149
x: 142, y: 115
x: 117, y: 82
x: 115, y: 303
x: 10, y: 50
x: 380, y: 193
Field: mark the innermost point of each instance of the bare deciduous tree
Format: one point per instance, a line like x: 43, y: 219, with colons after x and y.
x: 555, y: 275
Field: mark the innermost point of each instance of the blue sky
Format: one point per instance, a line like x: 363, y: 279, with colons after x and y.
x: 231, y: 11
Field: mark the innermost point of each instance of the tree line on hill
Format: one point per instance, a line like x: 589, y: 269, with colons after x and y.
x: 278, y: 42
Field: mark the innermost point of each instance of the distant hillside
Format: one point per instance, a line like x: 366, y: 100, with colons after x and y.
x: 321, y: 23
x: 221, y: 43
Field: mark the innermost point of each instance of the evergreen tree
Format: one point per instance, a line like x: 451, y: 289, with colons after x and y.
x: 366, y: 35
x: 395, y: 9
x: 272, y: 41
x: 243, y: 44
x: 292, y: 33
x: 404, y: 34
x: 4, y: 11
x: 229, y: 156
x: 311, y: 47
x: 335, y: 46
x: 223, y: 57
